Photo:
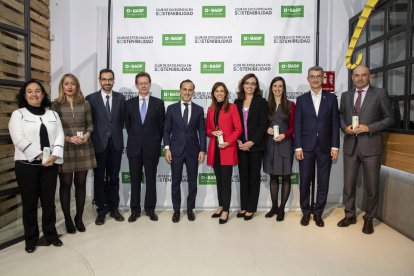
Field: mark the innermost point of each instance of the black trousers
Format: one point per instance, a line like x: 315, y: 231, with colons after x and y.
x: 223, y: 178
x: 135, y: 168
x: 250, y: 164
x: 36, y: 181
x: 107, y: 161
x: 177, y: 164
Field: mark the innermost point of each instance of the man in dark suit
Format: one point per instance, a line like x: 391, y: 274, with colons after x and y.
x: 107, y: 138
x: 363, y: 144
x: 184, y: 142
x: 144, y: 119
x: 316, y: 140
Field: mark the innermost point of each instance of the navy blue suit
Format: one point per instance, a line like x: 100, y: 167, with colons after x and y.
x: 185, y: 143
x: 316, y: 134
x: 143, y: 149
x: 108, y: 143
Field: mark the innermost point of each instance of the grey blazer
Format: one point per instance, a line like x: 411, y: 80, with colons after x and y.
x: 107, y: 126
x: 376, y: 113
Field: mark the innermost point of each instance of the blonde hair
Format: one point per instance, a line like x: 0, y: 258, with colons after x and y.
x: 77, y: 97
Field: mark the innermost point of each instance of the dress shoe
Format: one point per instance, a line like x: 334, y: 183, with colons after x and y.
x: 134, y: 216
x: 70, y: 228
x: 280, y: 215
x: 30, y: 248
x: 240, y: 214
x: 271, y: 213
x: 216, y: 215
x: 176, y: 216
x: 79, y: 224
x: 100, y: 219
x: 152, y: 215
x: 368, y: 227
x: 116, y: 215
x: 57, y: 243
x: 223, y: 221
x: 246, y: 217
x: 190, y: 215
x: 345, y: 222
x: 318, y: 220
x: 305, y: 220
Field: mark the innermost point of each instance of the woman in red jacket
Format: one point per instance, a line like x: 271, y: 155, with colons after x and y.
x: 223, y: 128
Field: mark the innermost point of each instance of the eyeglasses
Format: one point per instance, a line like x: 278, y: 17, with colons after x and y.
x: 143, y: 83
x: 107, y: 80
x: 250, y: 83
x: 318, y: 77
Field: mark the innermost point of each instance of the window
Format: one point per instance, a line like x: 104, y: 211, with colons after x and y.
x: 387, y: 44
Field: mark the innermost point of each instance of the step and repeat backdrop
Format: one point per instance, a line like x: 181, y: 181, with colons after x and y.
x: 209, y: 42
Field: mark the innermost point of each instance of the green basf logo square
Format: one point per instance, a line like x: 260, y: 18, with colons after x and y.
x: 133, y: 67
x: 214, y: 11
x: 173, y: 40
x: 126, y: 178
x: 252, y: 40
x: 170, y: 95
x: 135, y: 12
x: 162, y: 152
x: 290, y: 67
x: 293, y: 11
x: 294, y: 179
x: 207, y: 179
x: 211, y: 67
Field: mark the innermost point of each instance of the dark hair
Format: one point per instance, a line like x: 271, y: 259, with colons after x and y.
x: 315, y: 68
x: 106, y: 70
x: 21, y: 100
x: 226, y: 104
x: 142, y: 74
x: 187, y: 80
x: 284, y: 104
x: 241, y: 95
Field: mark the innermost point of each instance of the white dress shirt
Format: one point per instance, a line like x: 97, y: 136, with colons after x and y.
x: 103, y: 94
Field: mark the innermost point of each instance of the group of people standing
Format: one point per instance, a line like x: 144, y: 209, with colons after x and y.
x: 88, y: 133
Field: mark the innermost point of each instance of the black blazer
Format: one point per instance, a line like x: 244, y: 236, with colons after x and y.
x: 256, y: 122
x: 144, y: 139
x: 107, y: 126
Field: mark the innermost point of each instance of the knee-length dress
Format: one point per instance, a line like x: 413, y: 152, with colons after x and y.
x: 278, y: 157
x: 76, y: 157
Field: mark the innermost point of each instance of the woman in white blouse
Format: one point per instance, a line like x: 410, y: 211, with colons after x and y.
x: 38, y: 139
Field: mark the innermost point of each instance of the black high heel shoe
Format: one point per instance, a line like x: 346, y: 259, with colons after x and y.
x: 240, y: 214
x: 79, y: 224
x: 246, y: 217
x: 70, y: 228
x: 280, y: 215
x: 223, y: 221
x: 216, y: 215
x: 271, y: 213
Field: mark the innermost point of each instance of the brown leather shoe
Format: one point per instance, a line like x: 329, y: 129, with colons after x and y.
x: 345, y: 222
x: 305, y: 220
x: 368, y: 227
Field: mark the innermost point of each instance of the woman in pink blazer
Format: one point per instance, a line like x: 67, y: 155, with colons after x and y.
x: 223, y: 128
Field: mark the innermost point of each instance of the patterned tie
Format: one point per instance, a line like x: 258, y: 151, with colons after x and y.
x: 108, y: 109
x: 143, y: 111
x: 357, y: 107
x: 185, y: 116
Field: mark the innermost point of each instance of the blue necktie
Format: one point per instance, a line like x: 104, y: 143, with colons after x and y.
x: 185, y: 115
x: 108, y: 109
x: 143, y: 110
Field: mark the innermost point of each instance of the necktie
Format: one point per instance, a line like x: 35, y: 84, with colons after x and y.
x: 185, y: 116
x: 108, y: 109
x: 143, y: 110
x: 357, y: 107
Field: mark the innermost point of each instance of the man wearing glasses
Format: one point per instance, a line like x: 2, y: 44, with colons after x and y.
x: 316, y: 140
x: 107, y: 138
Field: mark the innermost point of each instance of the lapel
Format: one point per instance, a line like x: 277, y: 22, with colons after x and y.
x: 309, y: 100
x: 193, y: 108
x: 137, y: 113
x: 323, y: 104
x: 177, y: 111
x: 368, y: 99
x: 350, y: 101
x: 101, y: 105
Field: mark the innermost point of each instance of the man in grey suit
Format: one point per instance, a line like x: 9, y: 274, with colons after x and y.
x: 107, y: 138
x: 363, y: 143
